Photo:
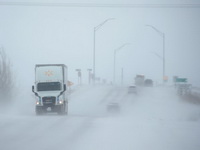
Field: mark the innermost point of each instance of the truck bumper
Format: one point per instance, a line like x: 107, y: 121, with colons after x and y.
x: 60, y: 109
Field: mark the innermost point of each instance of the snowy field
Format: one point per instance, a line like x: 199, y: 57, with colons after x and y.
x: 154, y: 119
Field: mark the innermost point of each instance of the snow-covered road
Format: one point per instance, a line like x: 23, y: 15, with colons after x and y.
x: 155, y: 119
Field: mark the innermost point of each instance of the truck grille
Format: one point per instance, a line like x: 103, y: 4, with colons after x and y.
x: 51, y: 100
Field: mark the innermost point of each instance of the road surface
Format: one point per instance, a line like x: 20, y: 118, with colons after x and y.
x: 154, y: 119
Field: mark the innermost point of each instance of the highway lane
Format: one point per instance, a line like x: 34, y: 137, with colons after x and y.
x: 28, y: 131
x: 156, y: 118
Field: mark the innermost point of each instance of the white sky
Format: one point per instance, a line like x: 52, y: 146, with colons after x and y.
x: 34, y: 34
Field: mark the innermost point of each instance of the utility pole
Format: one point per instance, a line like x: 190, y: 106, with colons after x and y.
x: 89, y: 75
x: 163, y: 36
x: 114, y: 64
x: 94, y: 46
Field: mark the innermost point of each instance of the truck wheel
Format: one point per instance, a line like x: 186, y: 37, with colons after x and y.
x: 38, y: 110
x: 61, y: 110
x: 66, y: 109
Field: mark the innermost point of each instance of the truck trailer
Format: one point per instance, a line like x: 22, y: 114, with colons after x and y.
x: 50, y: 88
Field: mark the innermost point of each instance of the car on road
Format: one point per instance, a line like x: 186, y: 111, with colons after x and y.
x: 148, y: 83
x: 132, y: 89
x: 113, y: 107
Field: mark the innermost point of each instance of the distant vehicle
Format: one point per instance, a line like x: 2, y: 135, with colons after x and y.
x: 148, y: 83
x: 132, y: 89
x: 113, y: 107
x: 139, y: 80
x: 50, y: 88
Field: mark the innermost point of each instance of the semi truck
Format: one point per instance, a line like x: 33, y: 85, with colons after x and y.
x: 50, y: 88
x: 139, y: 80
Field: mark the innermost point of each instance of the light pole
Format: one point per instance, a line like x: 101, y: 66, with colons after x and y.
x: 79, y: 76
x: 89, y: 75
x: 157, y: 55
x: 163, y: 36
x: 114, y: 64
x: 122, y: 76
x: 94, y: 50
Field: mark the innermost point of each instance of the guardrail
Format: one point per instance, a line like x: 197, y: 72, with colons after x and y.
x: 195, y: 91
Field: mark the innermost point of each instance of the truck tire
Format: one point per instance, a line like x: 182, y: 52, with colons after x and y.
x: 38, y: 110
x: 61, y: 109
x: 66, y: 109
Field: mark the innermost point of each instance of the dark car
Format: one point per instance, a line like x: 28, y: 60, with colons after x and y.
x: 132, y: 89
x: 148, y: 83
x: 113, y: 107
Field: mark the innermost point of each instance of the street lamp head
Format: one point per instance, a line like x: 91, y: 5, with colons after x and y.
x: 101, y: 24
x: 122, y: 46
x: 154, y: 28
x: 78, y: 69
x: 157, y: 55
x: 148, y: 25
x: 111, y: 19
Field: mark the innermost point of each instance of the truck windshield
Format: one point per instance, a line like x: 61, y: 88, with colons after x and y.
x: 49, y: 86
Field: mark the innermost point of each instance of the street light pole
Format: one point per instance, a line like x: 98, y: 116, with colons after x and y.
x: 163, y: 36
x: 94, y: 51
x: 89, y: 75
x: 79, y: 76
x: 114, y: 64
x: 163, y: 57
x: 94, y: 44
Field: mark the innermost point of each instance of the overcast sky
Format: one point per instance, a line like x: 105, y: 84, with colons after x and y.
x: 44, y: 34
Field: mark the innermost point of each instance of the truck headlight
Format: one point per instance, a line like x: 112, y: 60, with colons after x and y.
x: 60, y: 101
x: 38, y: 100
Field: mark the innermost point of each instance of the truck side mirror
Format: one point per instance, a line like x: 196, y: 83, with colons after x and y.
x: 33, y: 89
x: 64, y: 87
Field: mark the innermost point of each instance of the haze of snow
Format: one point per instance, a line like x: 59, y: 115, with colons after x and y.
x: 154, y: 119
x: 34, y: 35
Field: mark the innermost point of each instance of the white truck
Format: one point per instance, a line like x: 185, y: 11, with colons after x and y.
x: 51, y: 88
x: 139, y: 80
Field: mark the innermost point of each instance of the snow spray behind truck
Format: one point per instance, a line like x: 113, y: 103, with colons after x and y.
x: 51, y: 88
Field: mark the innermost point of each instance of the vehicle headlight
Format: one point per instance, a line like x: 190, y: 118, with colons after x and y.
x: 60, y: 101
x: 38, y: 100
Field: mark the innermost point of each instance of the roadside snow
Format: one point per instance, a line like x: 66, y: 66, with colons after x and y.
x: 155, y: 120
